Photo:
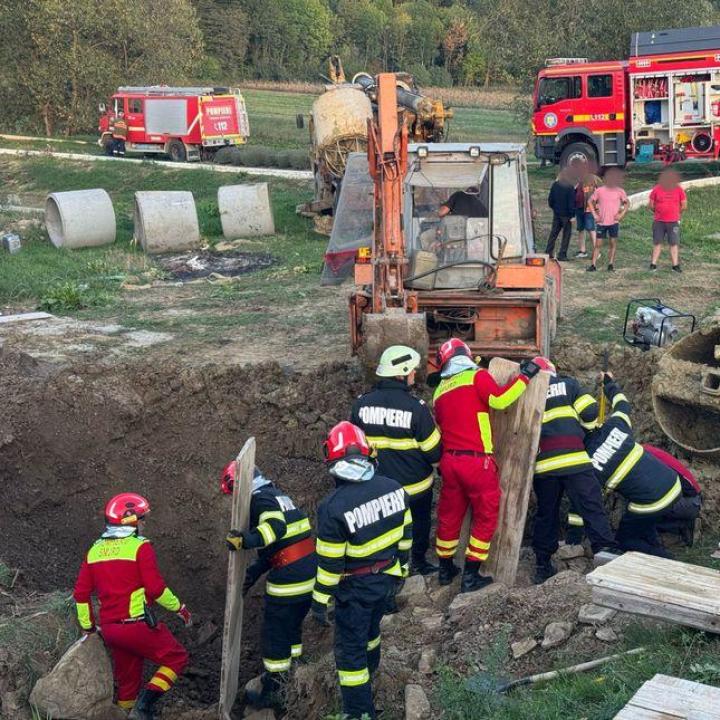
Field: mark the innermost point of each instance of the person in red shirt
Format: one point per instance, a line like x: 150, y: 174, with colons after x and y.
x: 121, y: 570
x: 668, y: 202
x: 463, y: 397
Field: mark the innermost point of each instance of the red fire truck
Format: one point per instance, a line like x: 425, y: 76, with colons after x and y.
x: 661, y: 104
x: 186, y: 123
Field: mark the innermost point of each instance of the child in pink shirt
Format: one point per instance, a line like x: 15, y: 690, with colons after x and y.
x: 609, y: 205
x: 668, y: 202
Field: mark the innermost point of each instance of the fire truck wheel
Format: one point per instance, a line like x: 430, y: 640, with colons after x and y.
x: 581, y: 150
x: 176, y: 151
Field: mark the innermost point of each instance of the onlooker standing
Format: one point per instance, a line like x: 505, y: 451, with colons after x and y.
x: 561, y: 200
x: 609, y: 205
x: 668, y: 201
x: 584, y: 219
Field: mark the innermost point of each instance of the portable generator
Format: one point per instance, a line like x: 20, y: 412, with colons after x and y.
x: 649, y: 322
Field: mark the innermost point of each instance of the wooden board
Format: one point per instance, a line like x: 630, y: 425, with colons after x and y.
x: 24, y: 317
x: 670, y: 698
x: 516, y: 435
x: 665, y: 589
x: 237, y: 564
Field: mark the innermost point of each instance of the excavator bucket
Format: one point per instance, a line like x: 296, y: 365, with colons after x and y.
x: 393, y: 327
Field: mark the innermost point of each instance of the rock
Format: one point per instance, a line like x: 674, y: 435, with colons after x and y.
x: 206, y: 633
x: 556, y: 633
x: 443, y: 595
x: 414, y: 585
x: 568, y: 552
x: 387, y: 621
x: 417, y: 706
x: 254, y: 685
x: 434, y: 622
x: 80, y: 686
x: 466, y: 600
x: 592, y: 614
x: 606, y: 634
x: 428, y: 657
x: 421, y: 611
x: 523, y: 647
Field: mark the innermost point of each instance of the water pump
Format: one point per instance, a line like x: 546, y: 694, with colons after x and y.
x: 651, y: 323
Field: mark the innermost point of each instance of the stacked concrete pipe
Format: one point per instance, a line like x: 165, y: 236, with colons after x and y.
x: 166, y: 221
x: 80, y: 218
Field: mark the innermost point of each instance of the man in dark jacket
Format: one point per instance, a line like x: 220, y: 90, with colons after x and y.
x: 561, y: 201
x: 401, y: 429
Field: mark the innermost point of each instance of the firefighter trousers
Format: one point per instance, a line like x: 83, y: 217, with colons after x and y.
x: 639, y: 532
x: 421, y: 511
x: 130, y: 645
x: 586, y: 500
x: 467, y: 481
x: 359, y: 605
x: 282, y: 633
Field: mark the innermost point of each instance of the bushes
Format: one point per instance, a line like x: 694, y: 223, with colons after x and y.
x: 263, y: 156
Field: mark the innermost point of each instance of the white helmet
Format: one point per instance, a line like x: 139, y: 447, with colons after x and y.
x: 398, y: 361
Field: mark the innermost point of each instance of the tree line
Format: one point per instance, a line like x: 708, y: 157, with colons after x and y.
x: 59, y: 59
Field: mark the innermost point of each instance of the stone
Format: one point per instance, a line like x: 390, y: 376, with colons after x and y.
x: 421, y: 611
x: 556, y: 633
x: 206, y: 633
x: 568, y: 552
x: 592, y: 614
x: 387, y: 621
x: 428, y: 657
x: 432, y: 623
x: 523, y: 647
x: 606, y: 634
x: 80, y: 685
x: 254, y: 685
x: 417, y: 706
x: 465, y: 600
x: 414, y: 585
x: 443, y: 595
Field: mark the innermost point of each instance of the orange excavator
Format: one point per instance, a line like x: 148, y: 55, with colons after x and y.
x: 443, y: 245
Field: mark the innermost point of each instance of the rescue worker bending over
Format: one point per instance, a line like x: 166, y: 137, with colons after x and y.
x: 563, y: 466
x: 364, y: 538
x: 462, y: 401
x: 121, y: 570
x: 649, y: 486
x: 281, y: 534
x: 401, y: 429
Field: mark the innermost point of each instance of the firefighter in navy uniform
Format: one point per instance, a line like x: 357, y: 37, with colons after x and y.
x: 281, y: 534
x: 650, y: 487
x: 401, y: 429
x: 364, y: 539
x: 563, y: 466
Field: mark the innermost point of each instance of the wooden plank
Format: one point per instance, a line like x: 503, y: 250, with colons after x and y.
x: 237, y: 564
x: 637, y: 605
x: 516, y: 434
x: 23, y: 317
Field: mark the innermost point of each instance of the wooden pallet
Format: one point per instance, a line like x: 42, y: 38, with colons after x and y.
x: 664, y: 589
x: 670, y: 698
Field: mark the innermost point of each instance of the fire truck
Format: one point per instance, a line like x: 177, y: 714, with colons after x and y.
x: 663, y: 103
x: 186, y: 123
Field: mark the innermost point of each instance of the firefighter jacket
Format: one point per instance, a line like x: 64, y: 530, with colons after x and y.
x: 400, y: 427
x: 277, y: 524
x: 119, y: 129
x: 569, y: 412
x: 361, y: 526
x: 690, y: 485
x: 123, y: 574
x: 462, y: 407
x: 624, y: 466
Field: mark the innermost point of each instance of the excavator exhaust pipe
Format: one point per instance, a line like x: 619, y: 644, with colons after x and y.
x: 686, y: 391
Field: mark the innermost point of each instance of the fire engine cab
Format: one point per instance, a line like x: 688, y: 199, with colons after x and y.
x: 661, y: 104
x: 186, y: 123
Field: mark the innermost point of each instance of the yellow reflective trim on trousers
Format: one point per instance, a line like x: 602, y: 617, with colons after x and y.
x: 583, y: 403
x: 575, y: 520
x: 268, y: 534
x: 159, y: 682
x: 447, y: 543
x: 297, y: 528
x: 296, y: 651
x: 273, y: 666
x: 290, y: 589
x: 381, y: 442
x: 562, y: 461
x: 566, y: 411
x: 328, y: 578
x: 375, y: 642
x: 379, y: 543
x: 330, y: 549
x: 419, y: 487
x: 117, y: 549
x: 353, y: 678
x: 620, y: 397
x: 405, y: 544
x: 432, y: 441
x: 126, y: 704
x: 169, y: 600
x: 461, y: 379
x: 479, y: 544
x: 396, y: 570
x: 485, y: 431
x: 667, y: 499
x: 321, y: 597
x: 479, y: 555
x: 500, y: 402
x: 270, y: 515
x: 83, y: 615
x: 622, y: 416
x: 632, y: 459
x: 137, y: 603
x: 169, y: 673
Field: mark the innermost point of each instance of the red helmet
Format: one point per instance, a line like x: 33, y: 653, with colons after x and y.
x: 544, y: 364
x: 126, y: 509
x: 452, y: 348
x: 227, y: 477
x: 345, y: 440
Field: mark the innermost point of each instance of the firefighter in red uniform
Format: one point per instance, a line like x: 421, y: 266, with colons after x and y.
x: 121, y: 570
x: 462, y: 401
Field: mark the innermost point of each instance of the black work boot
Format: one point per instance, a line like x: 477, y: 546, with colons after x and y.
x: 448, y: 571
x: 420, y: 566
x: 145, y: 706
x: 544, y: 570
x: 574, y: 535
x: 471, y: 579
